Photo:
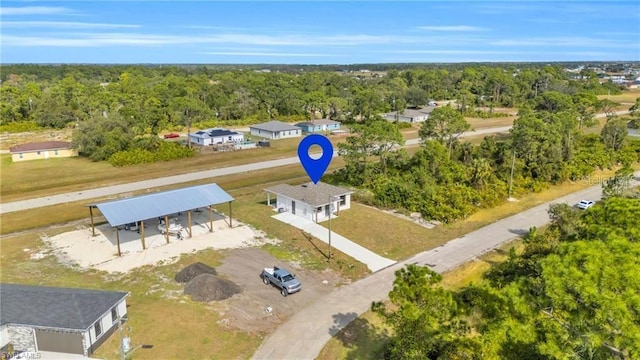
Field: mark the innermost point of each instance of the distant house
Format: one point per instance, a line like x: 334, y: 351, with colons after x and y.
x: 41, y: 150
x: 275, y: 130
x: 410, y: 115
x: 215, y: 136
x: 310, y: 201
x: 318, y: 125
x: 62, y: 320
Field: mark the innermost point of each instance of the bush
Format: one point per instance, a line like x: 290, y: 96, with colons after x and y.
x: 475, y: 113
x: 21, y: 126
x: 403, y: 125
x: 166, y: 152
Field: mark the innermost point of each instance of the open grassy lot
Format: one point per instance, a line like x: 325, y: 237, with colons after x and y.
x: 159, y: 314
x: 30, y: 179
x: 628, y: 96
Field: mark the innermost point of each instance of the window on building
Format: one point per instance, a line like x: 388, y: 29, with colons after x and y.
x: 98, y: 328
x: 55, y: 152
x: 21, y: 156
x: 343, y: 200
x: 114, y: 314
x: 38, y: 152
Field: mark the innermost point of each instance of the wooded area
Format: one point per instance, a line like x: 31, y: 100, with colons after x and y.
x: 574, y: 292
x: 118, y: 111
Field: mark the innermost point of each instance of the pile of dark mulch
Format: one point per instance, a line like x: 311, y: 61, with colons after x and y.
x: 208, y: 287
x: 193, y: 270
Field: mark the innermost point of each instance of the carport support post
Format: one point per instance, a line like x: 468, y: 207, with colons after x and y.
x: 230, y: 215
x: 144, y: 246
x: 118, y: 241
x: 268, y: 198
x: 210, y: 218
x: 189, y: 221
x: 93, y: 227
x: 166, y: 224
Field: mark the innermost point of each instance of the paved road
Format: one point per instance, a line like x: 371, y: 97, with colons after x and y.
x: 314, y: 325
x: 171, y: 180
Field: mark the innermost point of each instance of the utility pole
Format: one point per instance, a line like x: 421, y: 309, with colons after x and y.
x: 330, y: 199
x: 513, y: 164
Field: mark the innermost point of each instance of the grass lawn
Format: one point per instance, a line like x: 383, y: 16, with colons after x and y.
x: 31, y: 179
x: 476, y: 124
x: 628, y: 96
x: 159, y: 314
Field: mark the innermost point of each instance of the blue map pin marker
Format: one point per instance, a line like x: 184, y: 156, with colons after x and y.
x: 315, y: 168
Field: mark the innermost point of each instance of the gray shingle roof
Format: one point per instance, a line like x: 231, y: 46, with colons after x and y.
x: 137, y: 208
x: 274, y: 126
x: 63, y: 308
x: 310, y: 193
x: 319, y: 122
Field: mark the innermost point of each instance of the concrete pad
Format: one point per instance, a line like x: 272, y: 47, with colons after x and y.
x: 373, y: 261
x: 81, y: 248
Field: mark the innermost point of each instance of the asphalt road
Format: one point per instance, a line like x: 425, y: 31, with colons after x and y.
x: 314, y: 325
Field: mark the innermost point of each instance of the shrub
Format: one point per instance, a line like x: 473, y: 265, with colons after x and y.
x: 166, y: 152
x: 475, y: 113
x: 21, y: 126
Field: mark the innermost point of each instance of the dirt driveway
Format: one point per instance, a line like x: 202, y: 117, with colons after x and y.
x: 249, y: 310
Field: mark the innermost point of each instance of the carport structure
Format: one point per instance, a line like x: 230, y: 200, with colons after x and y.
x: 161, y: 205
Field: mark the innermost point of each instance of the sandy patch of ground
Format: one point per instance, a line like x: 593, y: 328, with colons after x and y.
x: 259, y: 307
x: 80, y: 248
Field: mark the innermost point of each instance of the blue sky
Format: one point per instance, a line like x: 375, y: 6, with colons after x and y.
x: 327, y: 32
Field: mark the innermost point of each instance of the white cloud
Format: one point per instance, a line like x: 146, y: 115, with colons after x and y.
x: 566, y: 41
x: 98, y: 39
x: 456, y: 52
x: 35, y: 10
x: 275, y: 54
x: 63, y: 25
x: 452, y: 28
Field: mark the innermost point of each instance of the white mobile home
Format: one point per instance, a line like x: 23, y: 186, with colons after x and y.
x: 215, y: 136
x: 310, y: 201
x: 275, y: 130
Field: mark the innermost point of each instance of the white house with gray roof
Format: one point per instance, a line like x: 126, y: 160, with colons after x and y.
x: 61, y: 320
x: 410, y: 115
x: 310, y: 201
x: 215, y: 136
x: 275, y: 130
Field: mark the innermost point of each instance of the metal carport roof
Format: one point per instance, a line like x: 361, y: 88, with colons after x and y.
x: 130, y: 210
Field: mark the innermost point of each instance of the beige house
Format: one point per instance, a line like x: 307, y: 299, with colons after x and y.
x: 42, y: 150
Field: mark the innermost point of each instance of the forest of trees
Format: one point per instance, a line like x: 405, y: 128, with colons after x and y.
x: 573, y: 293
x: 448, y: 180
x: 118, y: 111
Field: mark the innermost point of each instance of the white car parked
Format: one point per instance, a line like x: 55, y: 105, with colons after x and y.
x: 585, y: 204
